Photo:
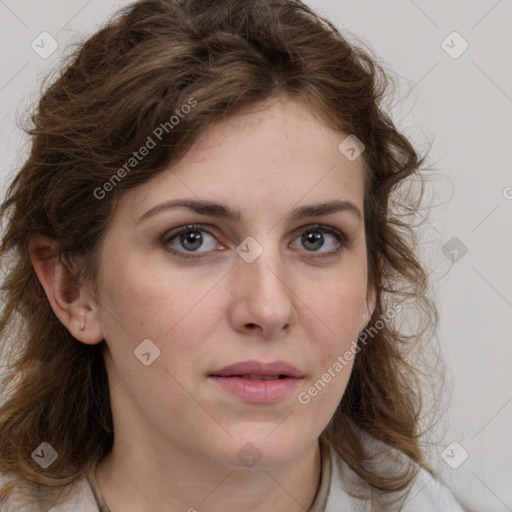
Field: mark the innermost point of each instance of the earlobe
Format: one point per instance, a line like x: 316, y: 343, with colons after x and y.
x: 371, y: 297
x: 72, y: 306
x: 368, y: 307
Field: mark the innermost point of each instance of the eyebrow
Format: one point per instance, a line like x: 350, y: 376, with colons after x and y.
x: 221, y: 211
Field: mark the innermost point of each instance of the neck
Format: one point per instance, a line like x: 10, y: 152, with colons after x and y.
x: 131, y: 480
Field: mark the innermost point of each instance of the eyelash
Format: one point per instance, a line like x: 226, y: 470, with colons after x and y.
x: 169, y: 236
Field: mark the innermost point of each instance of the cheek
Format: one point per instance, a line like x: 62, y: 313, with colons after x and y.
x: 334, y: 348
x: 138, y: 303
x: 341, y: 311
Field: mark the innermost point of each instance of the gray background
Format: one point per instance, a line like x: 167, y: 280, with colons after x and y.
x: 463, y: 107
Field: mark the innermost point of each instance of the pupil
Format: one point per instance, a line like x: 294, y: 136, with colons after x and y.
x: 193, y: 238
x: 314, y: 238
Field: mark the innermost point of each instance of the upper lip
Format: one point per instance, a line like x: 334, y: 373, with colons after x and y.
x: 268, y: 369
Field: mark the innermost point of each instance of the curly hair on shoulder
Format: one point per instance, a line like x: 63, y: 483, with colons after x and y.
x: 112, y: 91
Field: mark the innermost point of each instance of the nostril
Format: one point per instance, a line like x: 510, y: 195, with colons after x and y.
x: 251, y: 325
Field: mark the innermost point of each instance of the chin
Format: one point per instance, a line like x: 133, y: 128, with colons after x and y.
x: 265, y: 451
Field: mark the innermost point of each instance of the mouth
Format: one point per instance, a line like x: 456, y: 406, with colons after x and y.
x: 258, y: 382
x: 258, y: 377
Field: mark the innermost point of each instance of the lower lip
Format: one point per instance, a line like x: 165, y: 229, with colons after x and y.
x: 258, y: 391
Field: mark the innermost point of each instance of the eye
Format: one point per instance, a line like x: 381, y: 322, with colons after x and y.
x: 190, y: 238
x: 317, y: 237
x: 195, y: 241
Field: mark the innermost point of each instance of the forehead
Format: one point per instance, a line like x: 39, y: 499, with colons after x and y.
x: 260, y: 162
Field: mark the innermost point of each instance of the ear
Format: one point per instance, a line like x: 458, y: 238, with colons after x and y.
x: 371, y: 298
x: 71, y: 304
x: 370, y: 303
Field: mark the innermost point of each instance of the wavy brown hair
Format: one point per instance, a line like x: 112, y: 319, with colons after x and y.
x: 113, y: 90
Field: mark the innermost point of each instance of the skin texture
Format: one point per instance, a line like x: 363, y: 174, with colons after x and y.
x: 177, y: 433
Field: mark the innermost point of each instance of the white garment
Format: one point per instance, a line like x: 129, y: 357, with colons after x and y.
x: 426, y: 494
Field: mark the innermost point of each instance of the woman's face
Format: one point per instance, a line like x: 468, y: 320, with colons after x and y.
x: 271, y: 290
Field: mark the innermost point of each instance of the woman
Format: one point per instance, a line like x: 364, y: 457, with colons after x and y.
x: 207, y: 277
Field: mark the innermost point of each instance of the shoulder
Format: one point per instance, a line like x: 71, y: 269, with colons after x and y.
x: 425, y: 493
x: 428, y: 494
x: 78, y: 497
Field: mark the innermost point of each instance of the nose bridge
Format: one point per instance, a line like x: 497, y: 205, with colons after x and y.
x: 264, y: 273
x: 262, y: 295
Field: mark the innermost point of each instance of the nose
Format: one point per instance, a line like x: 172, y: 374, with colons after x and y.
x: 262, y: 299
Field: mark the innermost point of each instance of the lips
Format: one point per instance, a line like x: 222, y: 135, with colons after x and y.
x: 255, y: 369
x: 258, y: 382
